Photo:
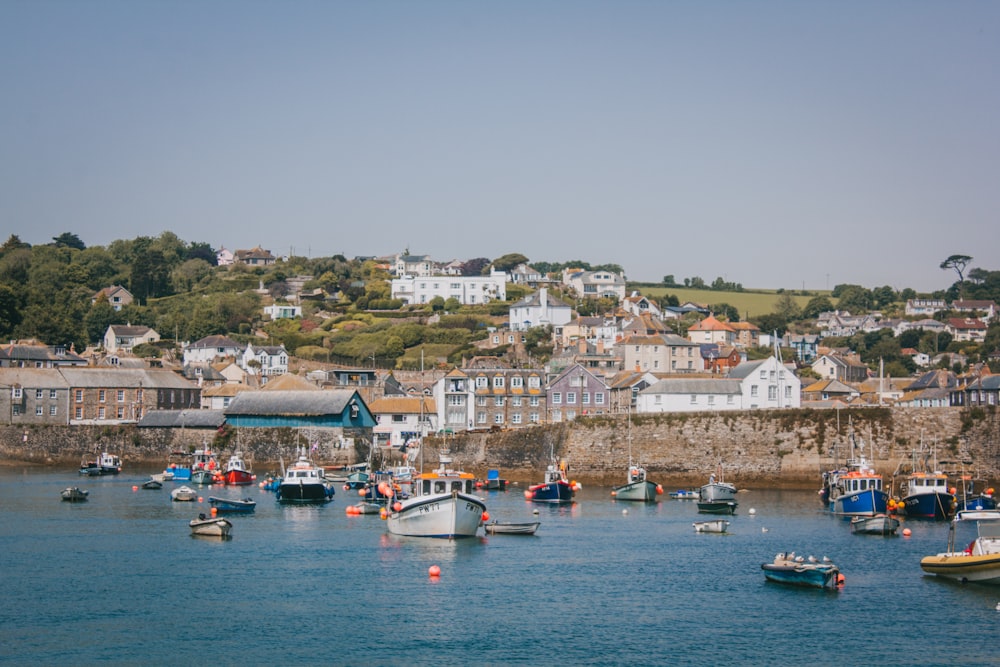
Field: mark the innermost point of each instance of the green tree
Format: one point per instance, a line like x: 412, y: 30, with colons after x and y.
x: 787, y: 307
x: 817, y: 305
x: 958, y: 264
x: 855, y: 299
x: 68, y: 240
x: 509, y: 261
x: 99, y: 317
x: 452, y: 304
x: 150, y: 275
x: 437, y: 303
x: 10, y: 314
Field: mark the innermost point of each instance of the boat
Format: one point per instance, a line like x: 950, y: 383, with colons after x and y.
x: 103, y: 464
x: 926, y: 496
x: 304, y: 482
x: 165, y: 476
x: 685, y: 494
x: 798, y: 571
x: 717, y: 490
x: 152, y: 484
x: 184, y: 494
x: 984, y: 500
x: 717, y: 506
x: 494, y: 482
x: 75, y: 494
x: 978, y: 515
x: 443, y: 504
x: 237, y: 471
x: 203, y: 476
x: 979, y: 562
x: 714, y: 526
x: 509, y: 528
x: 856, y: 489
x: 231, y: 505
x: 210, y: 526
x: 880, y: 524
x: 178, y: 467
x: 555, y: 489
x: 365, y: 507
x: 636, y: 487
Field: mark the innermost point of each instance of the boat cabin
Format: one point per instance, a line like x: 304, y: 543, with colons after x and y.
x: 302, y: 473
x: 435, y: 483
x: 852, y: 483
x: 636, y: 474
x: 921, y: 482
x: 555, y: 475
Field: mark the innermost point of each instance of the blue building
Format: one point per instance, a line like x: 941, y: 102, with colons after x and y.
x: 341, y: 409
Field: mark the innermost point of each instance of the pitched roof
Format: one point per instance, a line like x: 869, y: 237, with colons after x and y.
x: 311, y: 403
x: 695, y: 386
x: 289, y: 382
x: 215, y: 341
x: 711, y: 323
x: 182, y: 419
x: 403, y: 405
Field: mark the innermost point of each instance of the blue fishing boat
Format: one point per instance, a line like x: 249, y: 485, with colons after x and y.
x: 856, y: 489
x: 798, y: 571
x: 926, y: 496
x: 555, y: 489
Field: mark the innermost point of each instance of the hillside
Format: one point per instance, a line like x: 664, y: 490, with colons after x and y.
x: 749, y: 303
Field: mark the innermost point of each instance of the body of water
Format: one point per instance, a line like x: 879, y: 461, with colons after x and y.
x: 120, y: 580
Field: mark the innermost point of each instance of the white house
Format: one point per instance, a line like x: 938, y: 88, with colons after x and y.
x: 123, y: 337
x: 281, y: 311
x: 401, y: 419
x: 210, y: 348
x: 768, y: 383
x: 926, y: 307
x: 637, y: 304
x: 595, y: 284
x: 413, y: 265
x: 539, y: 310
x: 271, y: 360
x: 468, y: 290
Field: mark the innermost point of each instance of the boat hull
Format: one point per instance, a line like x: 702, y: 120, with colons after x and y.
x: 864, y: 503
x: 875, y: 525
x: 963, y: 567
x: 980, y: 502
x: 497, y: 528
x: 717, y: 492
x: 934, y: 505
x: 227, y: 505
x: 447, y: 515
x: 637, y: 491
x: 238, y: 477
x: 684, y: 494
x: 296, y: 492
x: 717, y: 507
x: 74, y: 495
x: 809, y: 575
x: 184, y: 494
x: 202, y: 477
x: 716, y: 526
x: 211, y: 527
x: 552, y: 492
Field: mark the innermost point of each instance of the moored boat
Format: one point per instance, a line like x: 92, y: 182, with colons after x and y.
x: 926, y: 496
x: 880, y: 524
x: 443, y: 504
x: 494, y: 482
x: 74, y: 494
x: 238, y: 471
x: 509, y: 528
x: 717, y: 506
x: 103, y: 464
x: 210, y: 526
x: 556, y: 488
x: 855, y: 489
x: 714, y: 526
x: 152, y: 484
x: 685, y: 494
x: 637, y: 487
x: 304, y: 482
x: 203, y: 476
x: 798, y: 571
x: 184, y: 494
x: 717, y: 490
x: 979, y: 562
x: 233, y: 505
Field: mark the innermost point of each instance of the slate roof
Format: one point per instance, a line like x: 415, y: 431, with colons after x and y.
x: 182, y: 419
x: 124, y: 377
x: 695, y: 386
x: 313, y: 403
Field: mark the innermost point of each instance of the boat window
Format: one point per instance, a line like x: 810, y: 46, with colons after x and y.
x: 427, y: 486
x: 456, y: 486
x: 438, y: 487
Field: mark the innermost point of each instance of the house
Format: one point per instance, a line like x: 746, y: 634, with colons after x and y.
x: 467, y: 290
x: 636, y: 304
x: 593, y: 329
x: 986, y: 310
x: 31, y: 354
x: 420, y: 266
x: 400, y: 419
x: 121, y: 338
x: 265, y: 360
x: 768, y: 383
x: 595, y: 284
x: 211, y: 348
x: 116, y: 295
x: 712, y: 330
x: 453, y: 268
x: 282, y: 311
x: 924, y: 307
x: 966, y: 329
x: 828, y: 390
x: 203, y: 375
x: 624, y: 388
x: 846, y: 368
x: 523, y: 274
x: 495, y: 396
x: 340, y: 409
x: 720, y: 359
x: 924, y: 325
x: 454, y: 398
x: 539, y: 310
x: 690, y: 395
x: 932, y: 389
x: 664, y: 353
x: 984, y: 390
x: 255, y: 257
x: 805, y: 346
x: 921, y: 359
x: 577, y: 392
x: 31, y: 395
x: 645, y: 324
x: 882, y: 390
x: 678, y: 312
x: 218, y: 397
x: 596, y: 358
x: 747, y: 334
x: 99, y: 396
x: 224, y: 257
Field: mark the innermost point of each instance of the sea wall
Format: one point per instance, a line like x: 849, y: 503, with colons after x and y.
x: 763, y: 448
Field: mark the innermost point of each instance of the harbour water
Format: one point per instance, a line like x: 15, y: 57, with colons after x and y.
x: 119, y: 580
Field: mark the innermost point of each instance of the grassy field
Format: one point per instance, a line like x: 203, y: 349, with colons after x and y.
x: 749, y: 304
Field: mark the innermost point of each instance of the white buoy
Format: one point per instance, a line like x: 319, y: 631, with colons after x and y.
x: 625, y: 511
x: 535, y: 512
x: 763, y: 529
x: 752, y: 511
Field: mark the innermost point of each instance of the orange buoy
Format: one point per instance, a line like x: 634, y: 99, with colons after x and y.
x: 383, y: 514
x: 486, y: 516
x: 135, y: 488
x: 215, y: 511
x: 840, y: 579
x: 434, y: 571
x: 396, y: 506
x: 906, y: 532
x: 200, y: 499
x: 528, y: 495
x: 361, y: 492
x: 346, y: 487
x: 613, y: 493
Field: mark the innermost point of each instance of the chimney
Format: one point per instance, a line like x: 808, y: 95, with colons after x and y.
x: 581, y: 345
x: 600, y: 346
x: 543, y: 299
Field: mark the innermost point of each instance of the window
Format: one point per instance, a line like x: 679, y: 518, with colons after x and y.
x: 52, y: 394
x: 482, y: 382
x: 516, y: 401
x: 658, y: 399
x: 598, y: 398
x: 480, y: 417
x: 121, y: 395
x: 763, y: 375
x: 100, y: 413
x: 556, y: 398
x: 121, y: 412
x: 38, y: 411
x: 585, y: 398
x: 52, y: 411
x: 16, y: 393
x: 772, y: 392
x: 456, y: 400
x: 496, y: 340
x: 694, y: 399
x: 498, y: 382
x: 16, y: 411
x: 788, y: 392
x: 138, y: 395
x: 533, y: 402
x: 533, y: 417
x: 510, y: 339
x: 711, y: 400
x: 100, y: 396
x: 498, y: 401
x: 398, y: 419
x: 515, y: 418
x: 79, y: 413
x: 753, y: 390
x: 534, y: 382
x: 498, y: 418
x: 729, y: 399
x: 480, y: 401
x: 516, y: 382
x: 38, y: 394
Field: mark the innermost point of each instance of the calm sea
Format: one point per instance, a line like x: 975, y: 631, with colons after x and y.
x: 119, y: 580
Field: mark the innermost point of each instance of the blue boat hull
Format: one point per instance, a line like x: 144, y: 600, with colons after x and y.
x: 980, y: 502
x: 864, y: 503
x: 818, y: 576
x: 929, y: 506
x: 553, y: 492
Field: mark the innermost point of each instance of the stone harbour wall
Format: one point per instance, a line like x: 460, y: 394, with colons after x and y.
x: 788, y: 448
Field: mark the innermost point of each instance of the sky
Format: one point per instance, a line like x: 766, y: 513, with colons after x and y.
x: 773, y: 144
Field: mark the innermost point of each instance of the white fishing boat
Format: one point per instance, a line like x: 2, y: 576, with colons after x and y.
x: 636, y: 487
x: 715, y: 526
x: 880, y: 524
x: 304, y: 482
x: 443, y: 504
x: 210, y: 526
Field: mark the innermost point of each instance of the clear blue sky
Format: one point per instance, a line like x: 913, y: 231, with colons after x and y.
x: 776, y: 144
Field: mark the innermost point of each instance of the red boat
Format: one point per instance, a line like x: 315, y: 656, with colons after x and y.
x: 237, y: 471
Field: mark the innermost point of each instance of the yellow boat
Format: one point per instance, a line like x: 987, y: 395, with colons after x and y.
x: 979, y: 562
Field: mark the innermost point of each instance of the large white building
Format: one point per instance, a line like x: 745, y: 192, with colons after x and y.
x: 469, y: 290
x: 539, y: 310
